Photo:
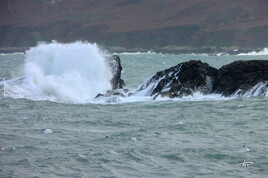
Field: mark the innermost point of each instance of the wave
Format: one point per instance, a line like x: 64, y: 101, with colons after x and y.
x: 8, y: 54
x: 74, y: 72
x: 254, y: 53
x: 260, y: 89
x: 199, y: 54
x: 138, y: 95
x: 137, y: 53
x: 78, y: 72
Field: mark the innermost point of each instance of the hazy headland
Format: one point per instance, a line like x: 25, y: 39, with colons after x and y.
x: 171, y: 26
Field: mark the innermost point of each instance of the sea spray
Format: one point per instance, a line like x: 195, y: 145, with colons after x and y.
x: 254, y: 53
x: 74, y: 72
x: 48, y: 77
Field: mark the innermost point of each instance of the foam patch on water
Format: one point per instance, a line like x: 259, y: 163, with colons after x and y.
x: 259, y: 90
x: 199, y: 54
x: 139, y: 97
x: 48, y: 131
x: 10, y: 54
x: 137, y: 53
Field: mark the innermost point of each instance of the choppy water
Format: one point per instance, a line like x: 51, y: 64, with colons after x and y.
x: 134, y: 137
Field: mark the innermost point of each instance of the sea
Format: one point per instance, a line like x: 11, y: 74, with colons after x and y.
x: 51, y: 124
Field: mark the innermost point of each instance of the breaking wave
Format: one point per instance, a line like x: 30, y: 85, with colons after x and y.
x: 254, y: 53
x: 137, y: 53
x: 143, y: 93
x: 261, y: 89
x: 16, y: 53
x: 78, y: 72
x: 74, y: 72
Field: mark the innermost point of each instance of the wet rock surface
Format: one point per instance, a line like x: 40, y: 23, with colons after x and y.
x: 188, y: 77
x: 115, y: 64
x: 181, y: 80
x: 240, y: 75
x: 117, y: 83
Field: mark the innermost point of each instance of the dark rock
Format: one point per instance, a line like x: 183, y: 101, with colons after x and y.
x: 181, y: 80
x: 116, y: 68
x: 240, y: 75
x: 112, y: 93
x: 99, y: 95
x: 116, y: 81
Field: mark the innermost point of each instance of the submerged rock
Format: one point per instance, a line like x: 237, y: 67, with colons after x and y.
x: 112, y: 96
x: 120, y: 92
x: 241, y: 76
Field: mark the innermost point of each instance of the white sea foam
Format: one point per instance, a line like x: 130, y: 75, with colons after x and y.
x: 222, y: 54
x: 260, y: 89
x: 74, y: 72
x: 9, y: 54
x: 143, y: 95
x: 197, y: 96
x: 254, y: 53
x: 48, y: 131
x: 199, y: 54
x: 82, y: 156
x: 136, y: 53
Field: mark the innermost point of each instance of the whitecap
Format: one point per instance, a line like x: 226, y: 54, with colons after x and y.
x: 134, y: 139
x: 113, y: 152
x: 48, y: 131
x: 254, y: 53
x: 82, y: 156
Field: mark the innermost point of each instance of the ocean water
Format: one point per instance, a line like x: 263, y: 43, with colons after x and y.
x: 51, y: 125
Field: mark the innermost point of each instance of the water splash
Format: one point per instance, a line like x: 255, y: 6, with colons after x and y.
x: 74, y: 72
x: 260, y: 89
x: 254, y: 53
x: 79, y: 71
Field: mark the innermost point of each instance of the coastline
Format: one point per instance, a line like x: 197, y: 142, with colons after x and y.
x: 8, y: 50
x: 187, y: 50
x: 210, y: 50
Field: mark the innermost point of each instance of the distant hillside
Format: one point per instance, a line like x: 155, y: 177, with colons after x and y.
x: 136, y: 23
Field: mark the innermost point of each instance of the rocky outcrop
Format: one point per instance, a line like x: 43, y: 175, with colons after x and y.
x: 184, y: 79
x: 180, y: 80
x: 188, y: 77
x: 240, y: 76
x: 115, y: 65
